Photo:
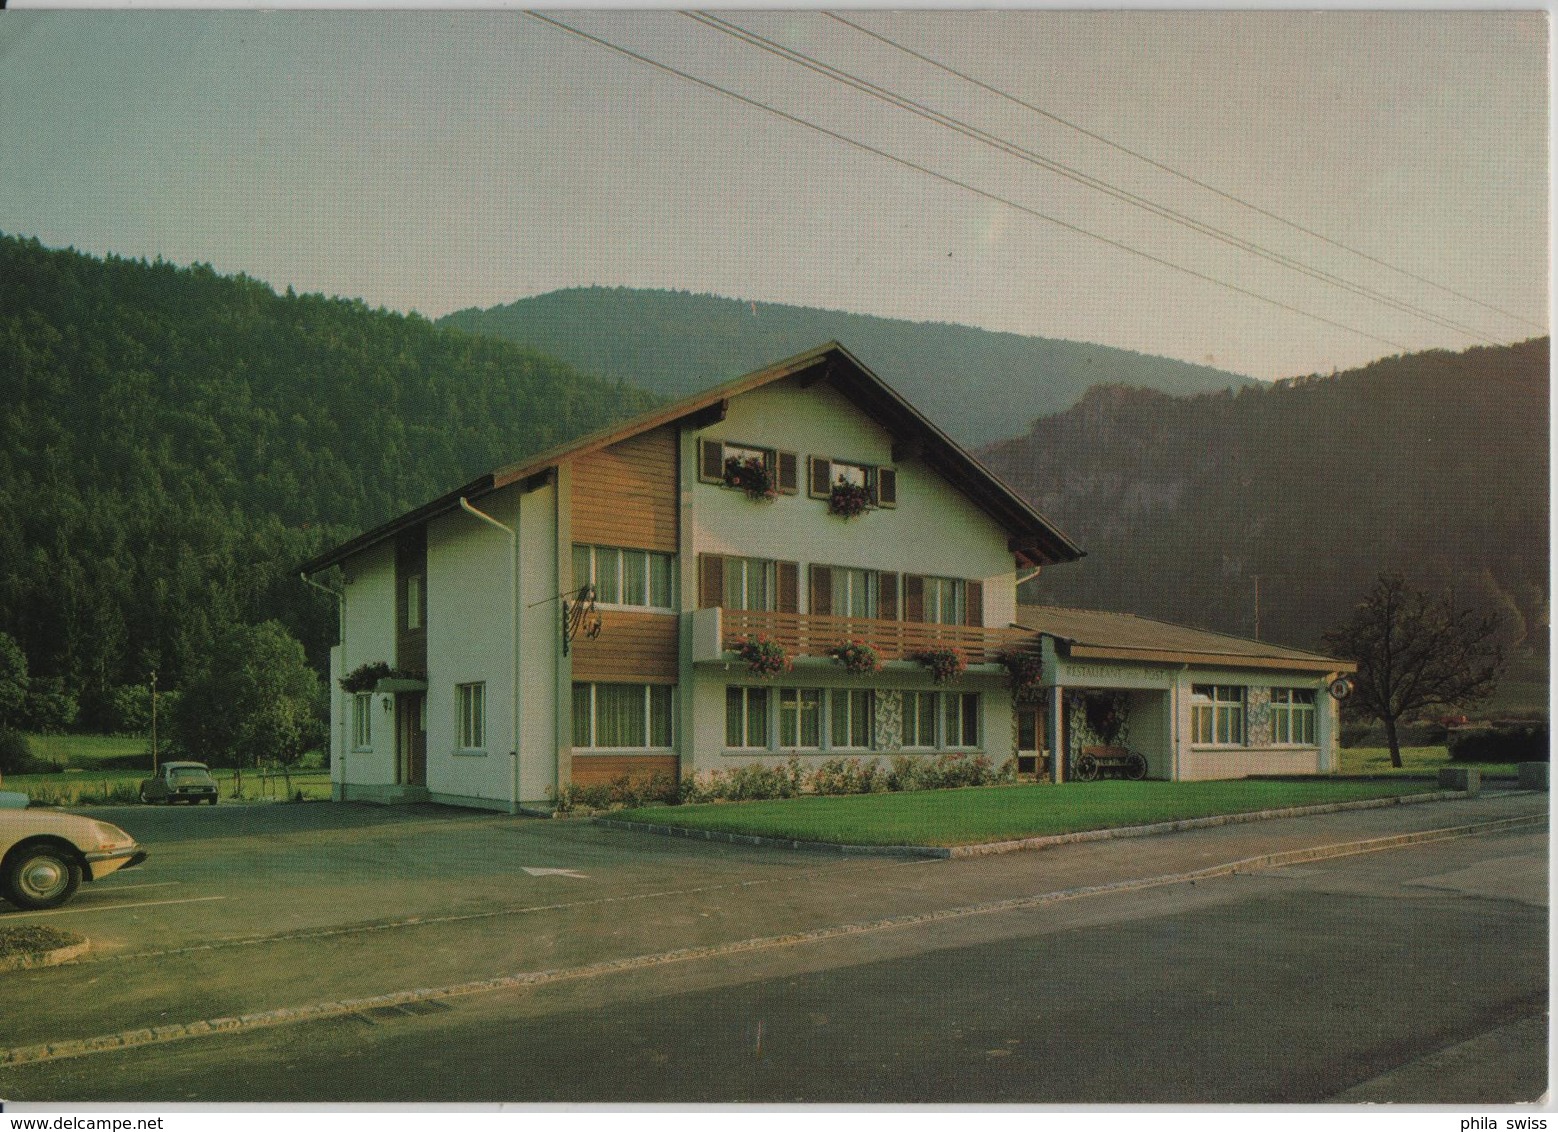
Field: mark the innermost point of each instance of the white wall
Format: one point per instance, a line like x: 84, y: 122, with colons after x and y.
x: 369, y: 637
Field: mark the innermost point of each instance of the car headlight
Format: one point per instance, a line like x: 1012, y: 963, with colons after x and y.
x: 110, y: 836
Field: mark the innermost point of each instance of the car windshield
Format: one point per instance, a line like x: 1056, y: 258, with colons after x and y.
x: 186, y: 772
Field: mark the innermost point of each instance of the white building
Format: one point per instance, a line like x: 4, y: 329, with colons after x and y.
x: 573, y: 618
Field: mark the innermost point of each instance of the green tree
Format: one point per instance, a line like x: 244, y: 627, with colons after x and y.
x: 13, y: 681
x: 1416, y: 652
x: 256, y: 702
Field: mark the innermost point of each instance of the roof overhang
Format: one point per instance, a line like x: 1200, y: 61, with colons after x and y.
x: 1320, y: 665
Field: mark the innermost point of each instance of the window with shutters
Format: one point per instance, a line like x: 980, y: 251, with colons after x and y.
x: 824, y: 473
x: 640, y: 579
x: 715, y: 456
x: 758, y: 584
x: 843, y: 591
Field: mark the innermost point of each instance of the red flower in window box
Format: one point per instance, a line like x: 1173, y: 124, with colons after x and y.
x: 849, y: 499
x: 857, y: 657
x: 945, y: 664
x: 750, y: 475
x: 763, y: 656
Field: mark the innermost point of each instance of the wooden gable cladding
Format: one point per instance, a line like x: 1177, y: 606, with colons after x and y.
x: 628, y: 494
x: 411, y: 588
x: 633, y: 648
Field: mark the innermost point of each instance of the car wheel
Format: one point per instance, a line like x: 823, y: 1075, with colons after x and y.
x: 40, y: 876
x: 212, y: 799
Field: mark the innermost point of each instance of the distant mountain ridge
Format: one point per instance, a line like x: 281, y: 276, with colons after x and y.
x: 1435, y: 464
x: 980, y: 386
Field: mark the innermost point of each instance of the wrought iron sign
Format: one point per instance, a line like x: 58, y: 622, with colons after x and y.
x: 580, y: 616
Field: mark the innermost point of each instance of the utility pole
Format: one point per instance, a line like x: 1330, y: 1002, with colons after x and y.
x: 1257, y: 606
x: 154, y: 723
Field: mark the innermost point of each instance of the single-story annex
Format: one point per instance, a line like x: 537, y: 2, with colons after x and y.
x: 678, y: 593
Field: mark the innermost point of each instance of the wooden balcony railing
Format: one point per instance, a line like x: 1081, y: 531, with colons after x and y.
x: 805, y: 634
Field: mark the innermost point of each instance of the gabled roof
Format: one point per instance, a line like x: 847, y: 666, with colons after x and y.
x: 1092, y: 634
x: 1033, y: 539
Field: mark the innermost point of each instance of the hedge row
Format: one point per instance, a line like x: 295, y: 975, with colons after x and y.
x: 1524, y: 742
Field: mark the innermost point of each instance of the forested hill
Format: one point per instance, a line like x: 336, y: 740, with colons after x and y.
x: 1434, y: 464
x: 978, y: 385
x: 173, y: 443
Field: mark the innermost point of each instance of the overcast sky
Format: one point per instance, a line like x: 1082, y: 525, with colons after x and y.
x: 433, y: 161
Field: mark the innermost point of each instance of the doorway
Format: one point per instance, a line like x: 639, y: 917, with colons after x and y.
x: 411, y: 739
x: 1032, y: 727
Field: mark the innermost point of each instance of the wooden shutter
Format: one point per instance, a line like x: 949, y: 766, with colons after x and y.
x: 886, y: 487
x: 819, y: 476
x: 887, y: 597
x: 711, y: 461
x: 821, y: 590
x: 711, y: 581
x: 787, y: 587
x: 974, y: 603
x: 913, y: 597
x: 788, y: 480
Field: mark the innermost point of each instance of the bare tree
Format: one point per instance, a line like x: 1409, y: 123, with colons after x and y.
x: 1416, y: 651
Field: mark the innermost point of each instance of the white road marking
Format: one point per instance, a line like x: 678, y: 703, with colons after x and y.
x: 555, y: 873
x: 133, y: 887
x: 114, y: 907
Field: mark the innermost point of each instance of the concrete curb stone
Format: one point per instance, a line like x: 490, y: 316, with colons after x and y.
x: 32, y: 959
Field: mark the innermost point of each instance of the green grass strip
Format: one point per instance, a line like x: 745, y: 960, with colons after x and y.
x: 1003, y: 813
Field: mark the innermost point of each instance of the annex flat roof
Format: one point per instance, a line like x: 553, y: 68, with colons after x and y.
x: 1034, y: 540
x: 1092, y: 634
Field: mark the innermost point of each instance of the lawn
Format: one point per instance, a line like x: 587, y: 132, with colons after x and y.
x: 1004, y: 813
x: 1414, y: 760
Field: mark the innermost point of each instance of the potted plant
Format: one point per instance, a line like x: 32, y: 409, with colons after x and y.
x: 763, y: 656
x: 857, y: 657
x: 849, y: 499
x: 751, y: 475
x: 1025, y: 674
x: 365, y: 677
x: 945, y: 664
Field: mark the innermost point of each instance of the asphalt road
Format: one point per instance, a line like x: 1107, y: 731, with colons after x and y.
x: 675, y: 971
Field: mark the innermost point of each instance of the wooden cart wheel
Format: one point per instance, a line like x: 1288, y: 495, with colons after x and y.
x: 1136, y: 768
x: 1087, y: 768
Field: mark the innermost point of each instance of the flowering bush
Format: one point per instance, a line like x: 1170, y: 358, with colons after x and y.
x: 751, y: 475
x: 848, y: 500
x: 365, y: 677
x: 848, y: 776
x: 762, y: 655
x: 857, y: 657
x: 1025, y: 674
x: 944, y: 664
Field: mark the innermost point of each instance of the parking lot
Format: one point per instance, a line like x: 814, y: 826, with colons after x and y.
x: 247, y: 913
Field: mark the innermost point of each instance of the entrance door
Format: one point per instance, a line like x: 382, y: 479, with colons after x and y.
x: 1032, y: 756
x: 411, y: 739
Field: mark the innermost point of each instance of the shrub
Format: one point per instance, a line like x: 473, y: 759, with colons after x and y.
x: 849, y: 776
x: 15, y: 751
x: 1512, y: 742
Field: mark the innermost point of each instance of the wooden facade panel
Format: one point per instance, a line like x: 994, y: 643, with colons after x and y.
x: 603, y: 770
x: 633, y: 648
x: 629, y: 494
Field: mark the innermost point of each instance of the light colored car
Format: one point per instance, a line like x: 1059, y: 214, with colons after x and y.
x: 46, y: 854
x: 180, y: 782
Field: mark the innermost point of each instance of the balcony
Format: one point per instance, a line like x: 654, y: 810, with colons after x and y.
x: 808, y: 635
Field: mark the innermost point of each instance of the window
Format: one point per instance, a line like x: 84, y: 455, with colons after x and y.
x: 714, y: 456
x: 824, y: 474
x: 800, y: 718
x: 960, y: 719
x: 749, y: 583
x: 616, y: 716
x: 746, y: 717
x: 640, y: 578
x: 472, y: 726
x: 414, y: 602
x: 1293, y: 716
x: 850, y: 725
x: 919, y: 719
x: 946, y: 601
x: 1217, y: 715
x: 362, y: 721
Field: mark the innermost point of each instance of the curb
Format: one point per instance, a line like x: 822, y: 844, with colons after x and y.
x: 129, y: 1039
x: 31, y: 959
x: 1026, y: 844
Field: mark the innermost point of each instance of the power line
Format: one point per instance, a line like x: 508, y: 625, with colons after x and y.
x: 1181, y: 174
x: 1013, y: 149
x: 964, y: 185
